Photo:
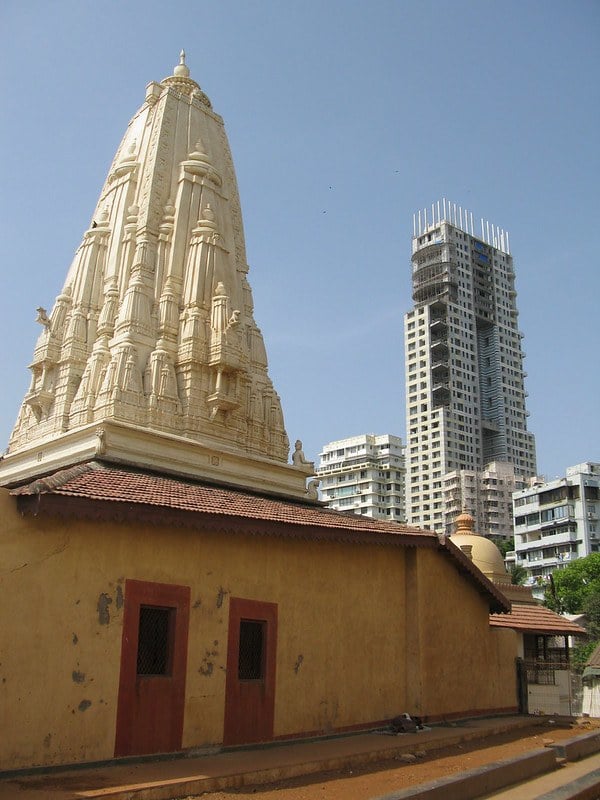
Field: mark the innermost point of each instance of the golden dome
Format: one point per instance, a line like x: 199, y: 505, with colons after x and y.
x: 483, y: 552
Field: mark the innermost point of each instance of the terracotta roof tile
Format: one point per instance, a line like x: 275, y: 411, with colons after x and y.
x: 533, y: 618
x: 96, y: 481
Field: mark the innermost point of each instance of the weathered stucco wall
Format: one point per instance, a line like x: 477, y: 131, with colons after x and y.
x: 465, y: 664
x: 364, y: 632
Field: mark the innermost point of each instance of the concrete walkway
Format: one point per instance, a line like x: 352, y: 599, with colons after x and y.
x: 539, y: 774
x: 180, y: 777
x: 569, y: 781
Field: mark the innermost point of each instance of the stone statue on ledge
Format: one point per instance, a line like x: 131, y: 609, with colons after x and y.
x: 298, y: 458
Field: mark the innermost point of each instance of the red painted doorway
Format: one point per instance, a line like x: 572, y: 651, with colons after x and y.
x: 251, y: 662
x: 153, y: 668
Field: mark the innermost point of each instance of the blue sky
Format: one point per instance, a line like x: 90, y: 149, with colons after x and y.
x: 344, y: 117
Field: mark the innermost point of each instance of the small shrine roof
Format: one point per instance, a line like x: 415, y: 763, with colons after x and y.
x: 533, y: 618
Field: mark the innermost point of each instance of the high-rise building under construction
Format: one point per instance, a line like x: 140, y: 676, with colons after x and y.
x: 465, y: 393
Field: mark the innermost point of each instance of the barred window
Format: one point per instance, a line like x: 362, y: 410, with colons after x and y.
x: 251, y: 659
x: 541, y: 673
x: 154, y: 640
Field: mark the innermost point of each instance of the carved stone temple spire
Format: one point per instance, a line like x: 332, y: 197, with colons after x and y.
x: 151, y: 355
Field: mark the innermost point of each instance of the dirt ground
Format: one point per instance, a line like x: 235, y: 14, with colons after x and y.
x: 391, y: 775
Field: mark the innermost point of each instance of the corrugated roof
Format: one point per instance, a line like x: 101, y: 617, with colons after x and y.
x: 126, y: 494
x: 533, y: 618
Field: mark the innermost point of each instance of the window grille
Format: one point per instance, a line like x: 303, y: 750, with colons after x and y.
x: 541, y: 674
x: 154, y: 641
x: 251, y: 659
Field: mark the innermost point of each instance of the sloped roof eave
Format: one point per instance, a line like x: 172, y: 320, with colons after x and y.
x: 536, y: 619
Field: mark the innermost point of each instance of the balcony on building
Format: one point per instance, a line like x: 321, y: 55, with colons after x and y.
x: 428, y: 250
x: 489, y: 425
x: 433, y: 280
x: 438, y: 310
x: 439, y: 350
x: 438, y: 327
x: 553, y: 538
x: 440, y: 393
x: 439, y: 371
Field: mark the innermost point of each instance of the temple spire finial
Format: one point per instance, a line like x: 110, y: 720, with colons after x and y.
x: 182, y: 70
x: 465, y: 522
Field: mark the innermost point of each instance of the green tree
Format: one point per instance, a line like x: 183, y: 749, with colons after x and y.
x: 591, y: 609
x: 505, y: 546
x: 570, y: 588
x: 580, y: 654
x: 576, y: 590
x: 518, y: 574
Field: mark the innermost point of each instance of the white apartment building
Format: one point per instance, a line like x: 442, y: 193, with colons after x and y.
x: 557, y: 521
x: 364, y: 474
x: 488, y: 494
x: 465, y: 394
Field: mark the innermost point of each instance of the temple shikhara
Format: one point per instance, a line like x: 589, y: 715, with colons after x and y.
x: 169, y: 580
x: 152, y: 342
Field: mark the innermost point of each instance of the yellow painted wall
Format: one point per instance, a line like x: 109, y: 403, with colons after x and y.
x: 465, y: 666
x: 347, y: 636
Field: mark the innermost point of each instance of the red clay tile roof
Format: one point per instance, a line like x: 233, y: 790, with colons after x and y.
x: 95, y: 481
x: 533, y: 618
x: 98, y: 490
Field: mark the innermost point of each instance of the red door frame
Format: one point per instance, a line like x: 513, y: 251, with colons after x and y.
x: 150, y: 708
x: 250, y: 704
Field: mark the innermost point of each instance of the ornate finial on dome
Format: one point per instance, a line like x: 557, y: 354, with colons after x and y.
x: 181, y: 70
x: 464, y: 523
x: 180, y: 81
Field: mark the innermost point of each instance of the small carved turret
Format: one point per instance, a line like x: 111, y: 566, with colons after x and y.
x: 225, y: 357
